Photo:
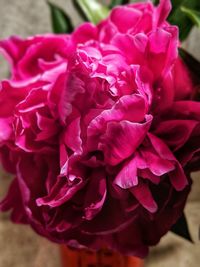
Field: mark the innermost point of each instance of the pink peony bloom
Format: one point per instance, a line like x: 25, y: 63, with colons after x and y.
x: 100, y: 131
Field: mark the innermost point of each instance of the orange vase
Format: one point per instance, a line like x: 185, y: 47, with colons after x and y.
x: 102, y: 258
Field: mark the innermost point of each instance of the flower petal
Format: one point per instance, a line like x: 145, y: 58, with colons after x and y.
x: 72, y: 136
x: 127, y: 177
x: 143, y: 194
x: 63, y: 190
x: 94, y: 202
x: 122, y: 139
x: 125, y: 18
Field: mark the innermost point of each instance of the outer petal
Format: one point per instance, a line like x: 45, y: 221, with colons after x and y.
x: 162, y: 48
x: 162, y: 12
x: 84, y: 33
x: 14, y: 47
x: 177, y: 176
x: 138, y: 42
x: 158, y: 165
x: 27, y: 54
x: 125, y: 18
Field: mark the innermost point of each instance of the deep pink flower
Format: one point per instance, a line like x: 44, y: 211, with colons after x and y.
x: 100, y: 131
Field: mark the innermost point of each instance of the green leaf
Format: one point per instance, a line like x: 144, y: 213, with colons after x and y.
x: 118, y: 2
x: 134, y: 1
x: 91, y: 10
x: 181, y: 228
x: 192, y: 14
x: 60, y: 21
x: 155, y: 2
x: 180, y: 18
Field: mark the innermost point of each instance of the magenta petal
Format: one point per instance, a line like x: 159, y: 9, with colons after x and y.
x: 47, y: 126
x: 147, y: 174
x: 161, y: 148
x: 63, y: 190
x: 162, y: 48
x: 32, y: 101
x: 5, y: 129
x: 122, y: 139
x: 72, y: 136
x: 66, y: 89
x: 130, y: 107
x: 176, y: 132
x: 125, y: 18
x: 143, y: 194
x: 163, y: 11
x: 159, y: 41
x: 15, y: 92
x: 94, y: 202
x: 185, y: 109
x: 178, y: 178
x: 10, y: 48
x: 138, y: 42
x: 84, y: 33
x: 63, y: 159
x: 48, y: 49
x: 156, y: 164
x: 127, y: 177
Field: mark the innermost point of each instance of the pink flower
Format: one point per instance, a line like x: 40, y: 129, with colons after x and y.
x: 100, y: 131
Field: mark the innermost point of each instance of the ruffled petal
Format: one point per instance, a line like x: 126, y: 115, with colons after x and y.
x: 162, y: 12
x: 94, y: 203
x: 177, y: 176
x: 62, y: 191
x: 122, y: 139
x: 125, y: 18
x: 127, y: 177
x: 143, y: 194
x: 72, y: 136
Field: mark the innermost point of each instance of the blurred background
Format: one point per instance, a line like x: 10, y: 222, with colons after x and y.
x: 19, y: 245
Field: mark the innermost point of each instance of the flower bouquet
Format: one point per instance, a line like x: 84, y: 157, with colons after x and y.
x: 100, y: 127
